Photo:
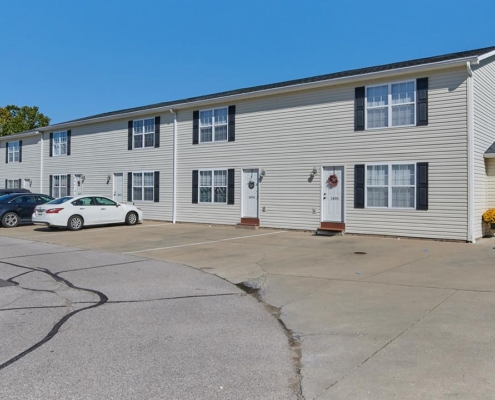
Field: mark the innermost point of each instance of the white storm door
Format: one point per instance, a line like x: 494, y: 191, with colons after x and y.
x: 118, y: 188
x: 250, y: 180
x: 332, y: 194
x: 79, y: 185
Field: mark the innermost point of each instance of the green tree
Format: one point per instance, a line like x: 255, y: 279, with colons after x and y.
x: 15, y: 119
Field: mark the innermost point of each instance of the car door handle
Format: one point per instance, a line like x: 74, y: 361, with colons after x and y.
x: 82, y: 208
x: 103, y: 208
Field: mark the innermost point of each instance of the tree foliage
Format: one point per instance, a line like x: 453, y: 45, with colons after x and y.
x: 14, y: 119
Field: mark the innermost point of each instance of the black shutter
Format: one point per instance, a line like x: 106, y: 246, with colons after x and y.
x: 359, y: 186
x: 20, y: 150
x: 51, y: 144
x: 359, y: 109
x: 129, y: 135
x: 195, y: 127
x: 69, y: 137
x: 422, y: 101
x: 195, y: 187
x: 422, y: 186
x: 6, y: 154
x: 20, y: 183
x: 51, y: 186
x: 230, y: 187
x: 157, y: 131
x: 6, y: 183
x: 156, y: 191
x: 68, y: 185
x: 129, y: 186
x: 231, y: 123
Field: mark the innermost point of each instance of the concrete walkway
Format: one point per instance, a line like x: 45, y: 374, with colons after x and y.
x: 408, y: 319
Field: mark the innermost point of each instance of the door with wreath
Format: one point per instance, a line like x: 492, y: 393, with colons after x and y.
x: 332, y: 191
x: 250, y: 180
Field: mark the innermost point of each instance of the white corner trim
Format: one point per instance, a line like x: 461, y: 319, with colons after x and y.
x: 470, y: 155
x: 486, y: 55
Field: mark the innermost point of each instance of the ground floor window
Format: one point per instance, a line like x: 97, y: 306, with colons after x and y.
x: 13, y: 184
x: 391, y: 185
x: 213, y: 186
x: 142, y: 186
x: 59, y: 186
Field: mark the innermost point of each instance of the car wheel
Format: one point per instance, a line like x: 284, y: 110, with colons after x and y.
x: 131, y: 218
x: 10, y: 220
x: 75, y: 223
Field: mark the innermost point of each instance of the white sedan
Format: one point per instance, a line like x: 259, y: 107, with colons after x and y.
x: 79, y: 211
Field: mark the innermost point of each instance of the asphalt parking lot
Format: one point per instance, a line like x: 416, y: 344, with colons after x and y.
x: 375, y: 318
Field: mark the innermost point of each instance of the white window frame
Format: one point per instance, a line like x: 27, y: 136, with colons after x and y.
x: 60, y: 186
x: 213, y: 125
x: 389, y: 105
x: 14, y: 150
x: 213, y: 187
x: 390, y: 186
x: 13, y: 184
x: 57, y: 136
x: 142, y: 134
x: 143, y: 186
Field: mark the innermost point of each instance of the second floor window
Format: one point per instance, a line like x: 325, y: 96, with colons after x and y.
x: 13, y: 153
x: 144, y: 133
x: 213, y: 125
x: 59, y: 143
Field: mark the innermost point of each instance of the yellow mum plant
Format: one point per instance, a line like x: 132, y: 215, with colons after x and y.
x: 489, y: 216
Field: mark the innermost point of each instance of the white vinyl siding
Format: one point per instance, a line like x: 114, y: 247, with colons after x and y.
x: 391, y: 105
x: 142, y: 186
x: 59, y: 186
x: 29, y: 168
x: 59, y: 144
x: 13, y: 153
x: 287, y: 135
x: 213, y: 125
x: 143, y: 133
x: 484, y: 137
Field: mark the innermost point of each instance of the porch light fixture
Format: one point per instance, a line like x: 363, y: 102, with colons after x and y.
x: 314, y: 172
x: 262, y: 173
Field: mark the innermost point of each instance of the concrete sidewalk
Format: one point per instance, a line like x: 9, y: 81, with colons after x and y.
x: 408, y: 319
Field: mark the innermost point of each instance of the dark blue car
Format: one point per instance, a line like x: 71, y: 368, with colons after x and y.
x: 19, y: 207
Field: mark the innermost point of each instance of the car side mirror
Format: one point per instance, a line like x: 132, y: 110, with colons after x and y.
x: 117, y: 205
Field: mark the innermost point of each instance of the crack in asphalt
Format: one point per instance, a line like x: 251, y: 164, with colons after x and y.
x: 63, y: 320
x: 43, y: 254
x: 31, y: 308
x: 101, y: 266
x: 163, y: 298
x: 17, y: 276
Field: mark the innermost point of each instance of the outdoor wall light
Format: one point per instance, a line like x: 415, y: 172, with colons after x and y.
x: 314, y: 172
x: 262, y: 173
x: 109, y: 177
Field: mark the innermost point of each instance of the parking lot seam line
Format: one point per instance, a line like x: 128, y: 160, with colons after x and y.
x: 399, y: 266
x: 43, y: 254
x: 30, y: 308
x: 387, y: 343
x: 201, y: 243
x: 101, y: 266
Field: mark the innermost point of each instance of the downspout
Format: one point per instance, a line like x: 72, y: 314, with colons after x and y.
x: 41, y: 161
x: 174, y: 189
x: 470, y: 155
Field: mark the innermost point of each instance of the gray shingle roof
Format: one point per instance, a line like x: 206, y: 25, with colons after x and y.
x: 353, y: 72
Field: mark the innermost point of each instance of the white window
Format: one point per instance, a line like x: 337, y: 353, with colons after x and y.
x: 59, y: 144
x: 13, y: 154
x: 143, y: 186
x: 391, y: 185
x: 213, y: 186
x: 59, y: 185
x: 391, y: 105
x: 144, y: 133
x: 13, y: 183
x: 213, y: 125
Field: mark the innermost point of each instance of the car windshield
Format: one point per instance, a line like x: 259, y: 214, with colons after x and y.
x: 60, y: 200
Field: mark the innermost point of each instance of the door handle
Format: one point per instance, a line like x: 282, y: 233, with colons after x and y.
x: 82, y: 208
x: 103, y: 208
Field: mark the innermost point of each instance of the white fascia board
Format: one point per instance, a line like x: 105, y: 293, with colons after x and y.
x: 21, y: 135
x: 266, y: 92
x: 486, y: 55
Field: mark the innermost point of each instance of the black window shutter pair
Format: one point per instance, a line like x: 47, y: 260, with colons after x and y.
x: 156, y: 187
x: 230, y: 186
x: 230, y: 126
x: 421, y: 186
x: 421, y: 104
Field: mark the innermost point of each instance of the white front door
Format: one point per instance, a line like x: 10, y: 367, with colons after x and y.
x: 79, y: 185
x: 118, y: 188
x: 250, y: 180
x: 332, y: 205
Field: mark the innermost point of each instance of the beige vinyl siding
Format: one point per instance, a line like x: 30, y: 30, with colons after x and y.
x: 490, y: 192
x: 484, y: 135
x: 29, y: 168
x: 99, y: 150
x: 287, y: 135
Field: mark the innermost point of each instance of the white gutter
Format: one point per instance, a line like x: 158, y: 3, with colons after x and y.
x: 174, y: 189
x: 41, y: 160
x: 265, y: 92
x: 486, y: 55
x: 470, y: 155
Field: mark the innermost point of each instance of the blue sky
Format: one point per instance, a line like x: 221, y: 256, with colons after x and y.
x: 75, y: 59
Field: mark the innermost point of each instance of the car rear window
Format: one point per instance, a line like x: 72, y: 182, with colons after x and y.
x: 60, y: 200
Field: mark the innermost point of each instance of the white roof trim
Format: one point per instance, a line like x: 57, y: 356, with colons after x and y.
x: 285, y: 89
x: 17, y: 136
x: 486, y: 55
